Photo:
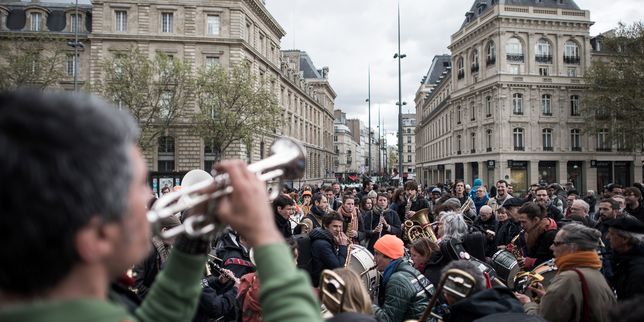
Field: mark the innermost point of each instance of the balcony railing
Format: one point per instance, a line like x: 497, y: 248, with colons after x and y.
x: 488, y: 150
x: 475, y: 68
x: 604, y: 149
x: 576, y: 148
x: 519, y: 148
x: 490, y: 61
x: 458, y: 152
x: 544, y: 59
x: 548, y: 148
x: 547, y: 114
x: 473, y: 151
x: 571, y: 59
x: 514, y: 57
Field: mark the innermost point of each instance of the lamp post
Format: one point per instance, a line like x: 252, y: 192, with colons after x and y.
x: 369, y: 109
x: 75, y: 44
x: 400, y: 103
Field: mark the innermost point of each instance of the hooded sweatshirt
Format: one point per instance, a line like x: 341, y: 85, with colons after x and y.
x: 483, y: 303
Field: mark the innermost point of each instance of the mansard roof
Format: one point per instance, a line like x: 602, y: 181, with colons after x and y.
x: 481, y: 6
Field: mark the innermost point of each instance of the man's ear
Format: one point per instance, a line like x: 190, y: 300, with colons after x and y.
x: 94, y: 241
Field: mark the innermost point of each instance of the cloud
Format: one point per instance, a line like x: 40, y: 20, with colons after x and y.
x: 351, y: 36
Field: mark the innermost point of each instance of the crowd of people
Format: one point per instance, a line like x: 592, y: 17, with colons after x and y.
x: 79, y: 246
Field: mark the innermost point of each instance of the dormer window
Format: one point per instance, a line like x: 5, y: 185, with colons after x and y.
x: 75, y: 22
x: 36, y: 21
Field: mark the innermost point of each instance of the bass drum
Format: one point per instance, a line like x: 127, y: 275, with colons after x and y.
x: 547, y: 270
x: 506, y: 266
x: 363, y: 264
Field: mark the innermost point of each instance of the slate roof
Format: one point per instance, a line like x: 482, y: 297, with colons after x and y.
x: 485, y: 5
x: 307, y: 67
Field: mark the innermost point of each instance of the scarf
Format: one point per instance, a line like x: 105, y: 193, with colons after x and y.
x: 588, y: 259
x: 533, y: 234
x: 353, y: 224
x: 390, y: 270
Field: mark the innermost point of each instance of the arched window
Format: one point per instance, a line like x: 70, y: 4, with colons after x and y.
x: 547, y: 139
x: 514, y: 50
x: 165, y: 152
x: 475, y: 61
x: 543, y: 53
x: 460, y: 64
x: 574, y: 105
x: 517, y: 104
x: 491, y: 54
x: 546, y: 104
x: 571, y: 52
x: 517, y: 135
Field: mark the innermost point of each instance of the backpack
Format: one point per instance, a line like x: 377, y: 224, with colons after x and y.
x: 305, y: 257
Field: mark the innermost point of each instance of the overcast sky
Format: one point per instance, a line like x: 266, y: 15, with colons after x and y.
x: 348, y: 36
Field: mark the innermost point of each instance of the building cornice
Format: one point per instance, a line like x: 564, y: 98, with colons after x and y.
x: 266, y: 17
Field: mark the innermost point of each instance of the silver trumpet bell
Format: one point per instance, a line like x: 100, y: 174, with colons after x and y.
x: 287, y: 161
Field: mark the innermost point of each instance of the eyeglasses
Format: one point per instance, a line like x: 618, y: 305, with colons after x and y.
x: 559, y: 243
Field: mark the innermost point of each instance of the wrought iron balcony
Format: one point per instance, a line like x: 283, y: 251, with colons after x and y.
x: 572, y: 60
x: 519, y: 148
x: 545, y: 59
x: 548, y: 148
x: 490, y: 61
x: 514, y: 57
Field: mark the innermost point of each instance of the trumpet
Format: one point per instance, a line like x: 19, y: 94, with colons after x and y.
x: 457, y: 283
x: 287, y: 160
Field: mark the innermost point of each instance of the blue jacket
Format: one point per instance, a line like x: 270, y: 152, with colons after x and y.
x: 325, y: 253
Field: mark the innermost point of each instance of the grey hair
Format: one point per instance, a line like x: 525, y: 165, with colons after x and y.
x: 454, y: 225
x: 582, y: 237
x: 582, y: 204
x: 470, y: 268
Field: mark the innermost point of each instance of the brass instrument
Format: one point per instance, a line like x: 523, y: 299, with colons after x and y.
x: 455, y: 282
x: 467, y: 205
x: 418, y: 226
x: 287, y: 161
x: 516, y: 252
x: 332, y: 288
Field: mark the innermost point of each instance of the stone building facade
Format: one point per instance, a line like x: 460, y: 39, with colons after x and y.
x: 409, y: 146
x: 209, y: 32
x: 508, y: 103
x: 349, y: 151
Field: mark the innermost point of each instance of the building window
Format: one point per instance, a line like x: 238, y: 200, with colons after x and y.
x: 36, y: 21
x: 475, y: 61
x: 575, y: 139
x: 473, y: 142
x: 488, y: 140
x: 460, y: 65
x: 514, y: 69
x: 574, y: 105
x: 491, y: 54
x: 517, y: 104
x: 458, y: 115
x: 166, y: 21
x: 458, y: 144
x: 571, y: 52
x: 473, y: 112
x: 409, y: 139
x: 212, y: 61
x: 546, y: 104
x: 409, y: 158
x: 602, y: 140
x: 408, y: 131
x: 544, y: 71
x: 166, y: 154
x: 120, y: 20
x: 409, y: 148
x: 514, y: 50
x: 572, y: 71
x: 213, y: 25
x: 517, y: 135
x: 546, y: 135
x: 76, y: 21
x: 72, y: 68
x: 210, y: 154
x: 335, y: 138
x: 543, y: 54
x: 488, y: 106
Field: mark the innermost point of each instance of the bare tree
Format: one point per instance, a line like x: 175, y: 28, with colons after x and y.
x: 233, y: 106
x: 34, y: 61
x: 156, y: 91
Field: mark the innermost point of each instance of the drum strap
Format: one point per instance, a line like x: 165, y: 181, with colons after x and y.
x: 584, y: 292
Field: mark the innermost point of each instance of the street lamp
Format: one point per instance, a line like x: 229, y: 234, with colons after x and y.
x: 368, y: 100
x: 400, y: 103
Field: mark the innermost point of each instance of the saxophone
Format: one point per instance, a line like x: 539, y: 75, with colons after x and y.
x: 407, y: 207
x: 516, y: 252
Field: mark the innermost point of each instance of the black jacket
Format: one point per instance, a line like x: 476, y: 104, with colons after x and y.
x: 507, y: 232
x: 217, y: 301
x: 492, y: 225
x: 370, y: 220
x: 234, y: 257
x: 554, y: 213
x: 325, y: 253
x: 628, y: 269
x: 483, y: 303
x: 418, y: 204
x: 283, y: 225
x: 637, y: 212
